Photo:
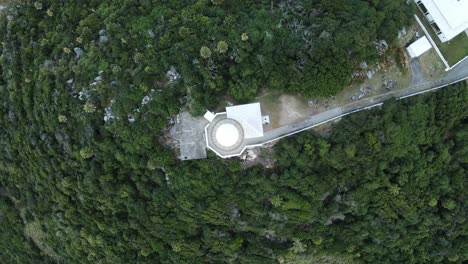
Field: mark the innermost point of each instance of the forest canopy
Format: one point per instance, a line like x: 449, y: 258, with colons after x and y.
x: 86, y: 87
x: 204, y: 49
x: 390, y: 191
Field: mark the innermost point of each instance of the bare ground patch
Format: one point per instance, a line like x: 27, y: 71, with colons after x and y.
x: 292, y: 110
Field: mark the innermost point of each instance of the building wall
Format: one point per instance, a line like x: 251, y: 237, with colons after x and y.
x: 422, y: 6
x: 440, y: 16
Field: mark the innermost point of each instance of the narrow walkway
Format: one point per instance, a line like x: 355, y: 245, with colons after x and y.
x: 418, y: 76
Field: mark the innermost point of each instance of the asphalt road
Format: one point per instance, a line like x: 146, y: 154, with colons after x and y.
x: 418, y: 76
x: 418, y: 86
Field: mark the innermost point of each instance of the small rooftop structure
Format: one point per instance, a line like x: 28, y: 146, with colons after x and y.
x: 266, y: 120
x: 209, y: 116
x: 419, y: 47
x: 448, y: 18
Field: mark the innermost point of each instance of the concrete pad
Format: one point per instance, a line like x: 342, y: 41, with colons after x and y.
x: 189, y: 132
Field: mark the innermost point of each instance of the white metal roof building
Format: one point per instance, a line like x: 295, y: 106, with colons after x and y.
x: 250, y: 118
x: 419, y: 47
x: 448, y: 18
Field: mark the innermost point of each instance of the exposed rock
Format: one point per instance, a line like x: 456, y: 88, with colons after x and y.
x: 363, y: 65
x: 324, y: 34
x: 361, y: 94
x: 70, y: 81
x: 326, y: 104
x: 11, y: 115
x: 381, y: 46
x: 390, y: 84
x: 338, y: 198
x: 357, y: 74
x: 103, y: 39
x: 151, y: 33
x: 234, y: 213
x: 382, y: 43
x: 278, y: 216
x: 108, y: 112
x: 102, y: 36
x: 338, y: 217
x: 131, y: 119
x: 145, y: 100
x: 332, y: 218
x: 250, y: 155
x: 325, y: 196
x: 78, y: 52
x: 402, y: 32
x: 48, y: 63
x: 270, y: 235
x: 84, y: 94
x: 172, y: 75
x: 313, y: 102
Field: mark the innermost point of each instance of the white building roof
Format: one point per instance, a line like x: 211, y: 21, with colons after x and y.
x: 227, y: 135
x: 419, y: 47
x: 209, y: 116
x: 451, y: 16
x: 250, y: 118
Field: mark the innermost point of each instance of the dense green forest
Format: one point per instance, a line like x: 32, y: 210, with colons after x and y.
x: 390, y: 191
x: 198, y: 50
x: 87, y: 86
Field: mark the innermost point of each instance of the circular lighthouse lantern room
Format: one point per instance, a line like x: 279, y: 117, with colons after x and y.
x: 227, y: 135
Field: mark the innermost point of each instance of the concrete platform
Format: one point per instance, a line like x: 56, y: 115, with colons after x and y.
x: 189, y: 132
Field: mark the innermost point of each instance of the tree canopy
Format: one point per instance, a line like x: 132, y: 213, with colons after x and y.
x: 86, y: 88
x: 216, y: 47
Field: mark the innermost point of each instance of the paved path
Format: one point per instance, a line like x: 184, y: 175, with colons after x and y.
x: 458, y: 73
x: 418, y: 76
